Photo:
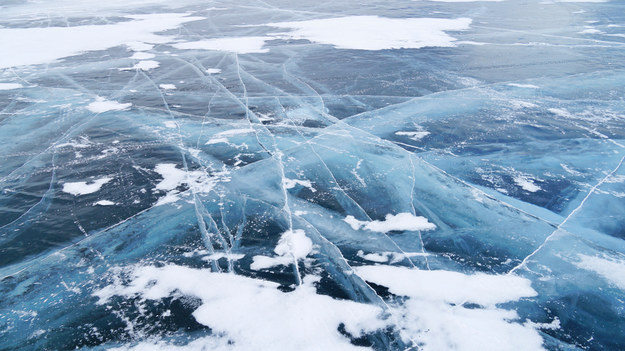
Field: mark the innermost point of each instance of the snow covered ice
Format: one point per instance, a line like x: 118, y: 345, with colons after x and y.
x: 299, y: 175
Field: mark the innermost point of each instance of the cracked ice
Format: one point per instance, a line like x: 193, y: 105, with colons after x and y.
x: 432, y: 175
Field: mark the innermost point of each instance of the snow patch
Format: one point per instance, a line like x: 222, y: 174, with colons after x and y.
x: 526, y: 183
x: 83, y: 188
x: 102, y: 105
x: 291, y: 183
x: 375, y: 33
x: 252, y: 314
x: 104, y: 203
x: 400, y: 221
x: 380, y: 257
x: 167, y: 86
x: 240, y: 45
x: 146, y: 65
x: 174, y: 177
x: 198, y: 181
x: 293, y: 245
x: 30, y: 46
x: 389, y: 257
x: 228, y: 256
x: 437, y: 312
x: 416, y: 135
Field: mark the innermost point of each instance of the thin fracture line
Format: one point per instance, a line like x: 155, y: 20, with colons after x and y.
x: 526, y: 259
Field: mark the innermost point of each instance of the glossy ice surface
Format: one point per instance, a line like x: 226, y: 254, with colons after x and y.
x: 312, y: 175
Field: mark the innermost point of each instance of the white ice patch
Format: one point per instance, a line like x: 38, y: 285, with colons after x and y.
x: 174, y: 177
x: 448, y: 286
x: 380, y: 257
x: 240, y: 45
x: 10, y: 86
x: 400, y: 221
x: 142, y: 56
x: 146, y: 65
x: 167, y: 86
x: 384, y: 257
x: 291, y: 183
x: 293, y: 245
x: 213, y: 71
x: 264, y: 262
x: 526, y: 183
x: 82, y: 188
x: 82, y: 143
x: 526, y: 86
x: 194, y: 152
x: 228, y: 256
x: 198, y: 181
x: 102, y: 105
x: 435, y: 313
x: 590, y: 31
x: 253, y: 313
x: 30, y: 46
x: 104, y: 203
x: 416, y: 135
x: 85, y: 8
x: 375, y: 33
x: 170, y: 124
x: 610, y: 269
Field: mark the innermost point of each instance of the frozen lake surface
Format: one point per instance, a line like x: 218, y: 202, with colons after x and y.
x: 312, y: 175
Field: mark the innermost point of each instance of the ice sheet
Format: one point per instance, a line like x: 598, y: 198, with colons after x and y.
x: 388, y: 175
